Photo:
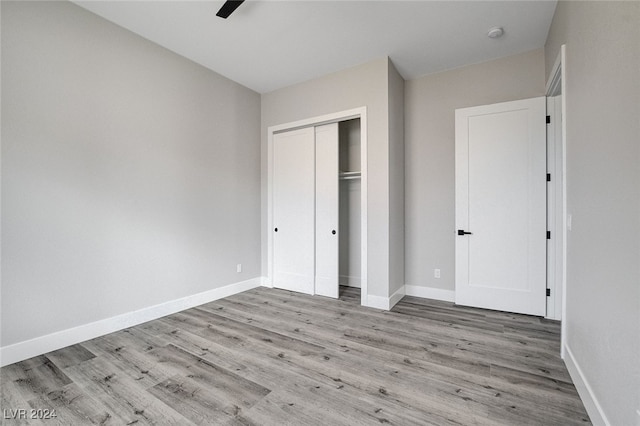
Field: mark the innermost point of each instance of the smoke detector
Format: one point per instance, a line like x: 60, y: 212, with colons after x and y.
x: 495, y: 32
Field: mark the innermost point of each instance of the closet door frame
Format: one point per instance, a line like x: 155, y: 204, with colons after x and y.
x: 336, y: 117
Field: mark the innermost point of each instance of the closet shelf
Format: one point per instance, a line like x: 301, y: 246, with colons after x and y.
x: 349, y: 175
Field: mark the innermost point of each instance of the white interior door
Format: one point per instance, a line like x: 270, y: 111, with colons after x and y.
x: 294, y: 210
x: 501, y: 205
x: 327, y: 210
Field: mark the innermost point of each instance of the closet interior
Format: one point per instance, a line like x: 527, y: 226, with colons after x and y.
x: 350, y: 203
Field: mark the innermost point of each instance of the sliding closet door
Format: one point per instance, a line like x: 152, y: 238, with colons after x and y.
x: 327, y: 203
x: 294, y: 210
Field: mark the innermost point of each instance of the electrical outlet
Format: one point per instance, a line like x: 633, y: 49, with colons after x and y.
x: 239, y: 267
x: 436, y: 273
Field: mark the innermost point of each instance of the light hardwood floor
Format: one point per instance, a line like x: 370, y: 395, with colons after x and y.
x: 273, y: 357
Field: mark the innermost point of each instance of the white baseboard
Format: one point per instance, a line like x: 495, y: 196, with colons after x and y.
x: 385, y: 303
x: 377, y: 302
x: 350, y: 281
x: 266, y: 282
x: 61, y: 339
x: 396, y: 297
x: 591, y: 404
x: 430, y: 293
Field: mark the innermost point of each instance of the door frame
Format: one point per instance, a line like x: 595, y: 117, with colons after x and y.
x: 336, y: 117
x: 556, y: 86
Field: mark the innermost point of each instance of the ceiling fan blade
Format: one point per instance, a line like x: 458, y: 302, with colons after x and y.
x: 228, y: 7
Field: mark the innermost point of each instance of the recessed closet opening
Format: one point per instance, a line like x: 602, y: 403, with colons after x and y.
x: 350, y: 195
x: 317, y: 204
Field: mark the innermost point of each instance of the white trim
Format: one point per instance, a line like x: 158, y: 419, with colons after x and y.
x: 265, y: 282
x: 563, y: 284
x: 350, y: 281
x: 360, y: 113
x: 396, y: 297
x: 377, y: 302
x: 319, y: 120
x: 591, y: 404
x: 385, y: 303
x: 554, y: 85
x: 430, y: 293
x: 557, y: 85
x: 364, y: 191
x: 60, y: 339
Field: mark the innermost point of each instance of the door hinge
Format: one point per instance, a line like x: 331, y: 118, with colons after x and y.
x: 548, y: 235
x: 548, y: 177
x: 548, y: 292
x: 548, y: 119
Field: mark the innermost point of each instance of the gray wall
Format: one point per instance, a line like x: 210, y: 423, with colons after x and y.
x: 603, y: 196
x: 364, y: 85
x: 130, y: 175
x: 430, y: 103
x: 396, y: 180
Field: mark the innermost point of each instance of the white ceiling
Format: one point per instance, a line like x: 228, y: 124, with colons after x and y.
x: 267, y: 45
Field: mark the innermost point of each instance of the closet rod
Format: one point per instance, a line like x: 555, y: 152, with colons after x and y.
x: 349, y: 175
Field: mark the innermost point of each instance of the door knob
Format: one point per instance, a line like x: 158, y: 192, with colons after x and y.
x: 333, y: 232
x: 462, y: 232
x: 276, y: 230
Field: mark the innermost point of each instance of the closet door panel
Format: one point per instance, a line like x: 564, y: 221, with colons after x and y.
x: 294, y: 210
x: 327, y: 210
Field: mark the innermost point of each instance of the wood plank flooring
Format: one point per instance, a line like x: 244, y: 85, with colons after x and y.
x: 274, y: 357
